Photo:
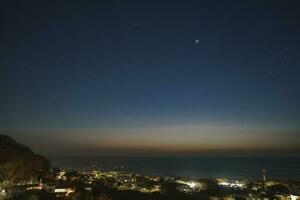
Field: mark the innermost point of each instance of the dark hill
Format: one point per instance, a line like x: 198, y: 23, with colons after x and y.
x: 18, y: 162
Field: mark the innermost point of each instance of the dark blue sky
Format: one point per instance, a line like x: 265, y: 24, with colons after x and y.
x: 130, y: 71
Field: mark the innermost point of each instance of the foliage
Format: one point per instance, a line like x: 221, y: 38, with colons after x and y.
x: 18, y: 163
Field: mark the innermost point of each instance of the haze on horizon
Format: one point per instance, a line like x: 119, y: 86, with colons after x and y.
x: 151, y: 78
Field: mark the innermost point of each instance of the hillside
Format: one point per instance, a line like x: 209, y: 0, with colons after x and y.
x: 18, y: 162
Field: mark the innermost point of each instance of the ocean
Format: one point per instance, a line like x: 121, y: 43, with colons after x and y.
x: 278, y: 168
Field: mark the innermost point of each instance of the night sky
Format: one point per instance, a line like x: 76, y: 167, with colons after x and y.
x: 150, y: 77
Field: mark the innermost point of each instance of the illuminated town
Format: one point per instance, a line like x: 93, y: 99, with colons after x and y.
x: 97, y: 184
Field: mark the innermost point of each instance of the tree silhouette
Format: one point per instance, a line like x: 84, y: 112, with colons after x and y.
x: 18, y: 163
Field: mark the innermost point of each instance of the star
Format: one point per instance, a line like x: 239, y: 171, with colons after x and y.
x: 197, y: 41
